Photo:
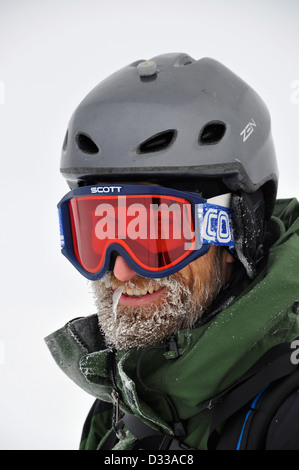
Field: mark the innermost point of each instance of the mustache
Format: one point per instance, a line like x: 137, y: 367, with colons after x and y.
x: 139, y: 282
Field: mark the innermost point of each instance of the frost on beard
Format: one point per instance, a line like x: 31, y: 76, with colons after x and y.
x: 126, y: 327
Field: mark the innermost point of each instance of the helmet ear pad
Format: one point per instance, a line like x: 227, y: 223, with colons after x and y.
x: 248, y: 225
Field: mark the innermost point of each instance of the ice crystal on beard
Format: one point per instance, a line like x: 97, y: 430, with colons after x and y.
x: 115, y: 298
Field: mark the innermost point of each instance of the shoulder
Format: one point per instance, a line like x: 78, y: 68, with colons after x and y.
x: 283, y: 431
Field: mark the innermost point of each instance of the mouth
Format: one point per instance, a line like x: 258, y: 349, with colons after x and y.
x: 141, y: 296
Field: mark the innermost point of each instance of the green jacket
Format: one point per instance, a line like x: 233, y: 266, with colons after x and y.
x: 208, y: 359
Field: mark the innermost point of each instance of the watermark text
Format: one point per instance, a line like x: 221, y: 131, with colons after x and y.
x: 295, y: 353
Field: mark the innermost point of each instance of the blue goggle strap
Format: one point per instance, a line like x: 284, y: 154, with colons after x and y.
x: 213, y: 222
x: 62, y: 237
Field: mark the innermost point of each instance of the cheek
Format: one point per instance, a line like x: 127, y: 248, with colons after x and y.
x: 189, y: 276
x: 185, y: 275
x: 197, y: 273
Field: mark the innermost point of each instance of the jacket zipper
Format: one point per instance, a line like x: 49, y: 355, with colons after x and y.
x: 116, y: 396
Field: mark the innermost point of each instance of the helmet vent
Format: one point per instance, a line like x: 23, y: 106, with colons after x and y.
x: 86, y: 144
x: 212, y: 133
x: 158, y: 142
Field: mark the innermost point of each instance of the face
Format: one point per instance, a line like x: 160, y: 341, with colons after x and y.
x: 134, y: 311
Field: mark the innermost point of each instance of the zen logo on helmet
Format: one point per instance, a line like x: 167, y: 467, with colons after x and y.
x: 105, y: 189
x: 216, y: 226
x: 248, y: 130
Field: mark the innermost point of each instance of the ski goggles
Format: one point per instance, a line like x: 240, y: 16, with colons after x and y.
x: 157, y: 230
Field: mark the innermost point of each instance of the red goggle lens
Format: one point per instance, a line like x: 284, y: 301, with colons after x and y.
x: 157, y: 231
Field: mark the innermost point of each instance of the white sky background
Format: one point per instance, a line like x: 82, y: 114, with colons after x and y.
x: 52, y: 53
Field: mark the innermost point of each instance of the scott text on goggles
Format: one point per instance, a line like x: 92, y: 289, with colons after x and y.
x: 105, y: 189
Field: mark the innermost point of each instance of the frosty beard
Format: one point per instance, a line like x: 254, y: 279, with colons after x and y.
x: 186, y: 296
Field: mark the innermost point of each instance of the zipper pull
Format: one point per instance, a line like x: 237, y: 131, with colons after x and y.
x: 115, y: 398
x: 119, y: 432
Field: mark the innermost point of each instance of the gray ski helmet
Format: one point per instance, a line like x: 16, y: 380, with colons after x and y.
x: 180, y: 123
x: 171, y: 118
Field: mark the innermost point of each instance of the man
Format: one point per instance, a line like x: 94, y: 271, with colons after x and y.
x: 173, y: 217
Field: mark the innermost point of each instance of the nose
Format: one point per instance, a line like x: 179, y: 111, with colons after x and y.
x: 121, y: 270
